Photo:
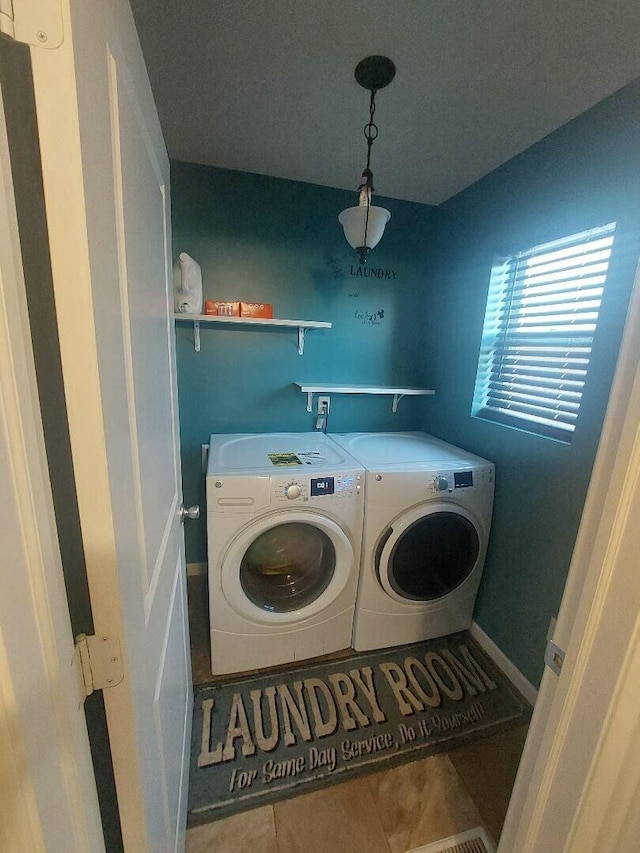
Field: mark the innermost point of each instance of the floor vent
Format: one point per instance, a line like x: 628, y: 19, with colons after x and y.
x: 473, y: 841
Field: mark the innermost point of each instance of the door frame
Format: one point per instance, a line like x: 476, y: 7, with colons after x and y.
x: 48, y: 787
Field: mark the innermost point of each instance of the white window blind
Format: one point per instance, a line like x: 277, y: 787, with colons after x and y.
x: 542, y: 313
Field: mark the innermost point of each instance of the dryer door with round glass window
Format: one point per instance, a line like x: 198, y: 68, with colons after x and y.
x: 426, y: 555
x: 287, y: 567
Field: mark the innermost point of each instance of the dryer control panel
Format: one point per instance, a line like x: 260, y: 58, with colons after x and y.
x: 451, y: 480
x: 321, y: 489
x: 468, y: 478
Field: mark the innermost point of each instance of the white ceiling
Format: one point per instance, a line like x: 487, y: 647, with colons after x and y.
x: 267, y: 86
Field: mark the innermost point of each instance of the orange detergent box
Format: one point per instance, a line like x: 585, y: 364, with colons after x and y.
x: 256, y: 309
x: 223, y: 309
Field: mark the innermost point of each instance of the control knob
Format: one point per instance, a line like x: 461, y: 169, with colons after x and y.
x: 441, y: 483
x: 293, y: 491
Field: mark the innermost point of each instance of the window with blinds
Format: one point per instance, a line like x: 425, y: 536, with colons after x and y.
x: 541, y: 316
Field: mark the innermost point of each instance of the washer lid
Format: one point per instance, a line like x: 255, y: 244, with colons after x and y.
x: 404, y: 450
x: 276, y: 453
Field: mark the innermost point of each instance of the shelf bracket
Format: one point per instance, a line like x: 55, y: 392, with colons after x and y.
x: 301, y: 331
x: 396, y: 400
x: 309, y: 401
x: 196, y: 335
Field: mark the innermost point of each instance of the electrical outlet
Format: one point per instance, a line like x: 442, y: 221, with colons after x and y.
x: 324, y: 401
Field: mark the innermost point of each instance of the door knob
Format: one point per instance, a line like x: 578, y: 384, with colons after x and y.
x: 189, y: 512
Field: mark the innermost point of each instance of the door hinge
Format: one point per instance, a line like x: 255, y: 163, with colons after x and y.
x: 34, y: 22
x: 98, y: 661
x: 554, y: 657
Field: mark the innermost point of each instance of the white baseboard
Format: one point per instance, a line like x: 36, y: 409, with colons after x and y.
x: 200, y: 569
x: 501, y: 660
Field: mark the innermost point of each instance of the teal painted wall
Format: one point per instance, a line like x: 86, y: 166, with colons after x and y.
x: 583, y: 175
x: 265, y: 239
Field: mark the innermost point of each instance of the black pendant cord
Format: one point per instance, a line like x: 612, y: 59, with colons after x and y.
x: 370, y: 130
x: 371, y: 133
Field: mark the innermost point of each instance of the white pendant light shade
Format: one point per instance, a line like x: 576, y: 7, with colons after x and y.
x: 354, y: 222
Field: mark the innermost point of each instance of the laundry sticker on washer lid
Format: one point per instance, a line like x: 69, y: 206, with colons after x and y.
x: 284, y: 459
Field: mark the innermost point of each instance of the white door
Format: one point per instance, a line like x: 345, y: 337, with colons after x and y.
x: 578, y: 781
x: 48, y: 798
x: 106, y: 182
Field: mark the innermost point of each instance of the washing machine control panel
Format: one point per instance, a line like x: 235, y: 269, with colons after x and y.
x: 326, y: 488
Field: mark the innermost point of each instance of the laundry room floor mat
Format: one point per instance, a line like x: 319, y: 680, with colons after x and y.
x: 265, y: 737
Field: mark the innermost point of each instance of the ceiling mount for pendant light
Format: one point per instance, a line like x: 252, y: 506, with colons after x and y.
x: 364, y: 225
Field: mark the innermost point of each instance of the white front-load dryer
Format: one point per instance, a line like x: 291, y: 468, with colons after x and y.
x: 284, y: 526
x: 428, y: 509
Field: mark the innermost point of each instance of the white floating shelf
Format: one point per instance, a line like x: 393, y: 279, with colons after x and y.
x: 301, y: 325
x: 396, y: 392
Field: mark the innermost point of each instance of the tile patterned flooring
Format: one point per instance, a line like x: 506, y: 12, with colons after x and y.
x: 391, y: 811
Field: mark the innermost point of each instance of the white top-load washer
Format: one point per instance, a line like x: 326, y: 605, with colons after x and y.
x: 284, y: 524
x: 428, y: 510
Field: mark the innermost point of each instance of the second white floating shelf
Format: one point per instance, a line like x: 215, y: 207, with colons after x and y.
x: 390, y: 390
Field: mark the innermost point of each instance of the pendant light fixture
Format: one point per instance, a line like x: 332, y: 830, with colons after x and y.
x: 364, y: 225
